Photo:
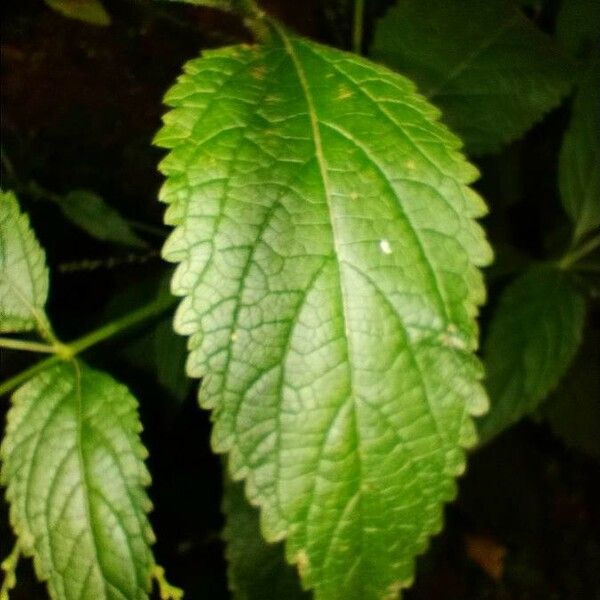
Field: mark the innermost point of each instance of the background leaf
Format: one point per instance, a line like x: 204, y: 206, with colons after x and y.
x: 489, y: 69
x: 573, y: 411
x: 577, y: 25
x: 579, y: 166
x: 256, y: 570
x: 534, y: 334
x: 91, y: 213
x: 89, y: 11
x: 23, y: 272
x: 328, y: 258
x: 72, y: 462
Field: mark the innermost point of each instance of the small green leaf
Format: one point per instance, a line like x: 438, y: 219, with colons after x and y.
x: 533, y: 337
x: 256, y: 570
x: 328, y: 256
x: 73, y: 465
x: 489, y: 69
x: 227, y: 5
x: 23, y: 272
x: 89, y: 11
x: 579, y: 166
x: 577, y: 26
x: 170, y: 353
x: 573, y: 411
x: 91, y: 213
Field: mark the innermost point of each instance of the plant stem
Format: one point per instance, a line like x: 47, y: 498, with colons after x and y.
x: 579, y: 252
x: 26, y: 345
x: 358, y: 26
x: 108, y: 330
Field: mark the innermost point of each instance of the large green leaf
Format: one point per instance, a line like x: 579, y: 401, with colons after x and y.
x: 533, y: 337
x: 72, y: 462
x: 579, y: 166
x: 256, y: 570
x: 328, y: 259
x: 489, y: 69
x: 23, y: 272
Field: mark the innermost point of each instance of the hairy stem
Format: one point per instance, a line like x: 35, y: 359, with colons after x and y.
x: 108, y: 330
x: 579, y: 252
x: 358, y: 26
x: 26, y: 345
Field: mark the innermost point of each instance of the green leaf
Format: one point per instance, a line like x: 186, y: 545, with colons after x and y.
x: 579, y: 165
x: 328, y: 259
x: 573, y: 411
x: 73, y: 467
x: 97, y: 218
x: 577, y: 25
x: 23, y: 272
x: 170, y: 353
x: 256, y: 570
x: 533, y: 337
x: 89, y: 11
x: 227, y: 5
x: 489, y: 69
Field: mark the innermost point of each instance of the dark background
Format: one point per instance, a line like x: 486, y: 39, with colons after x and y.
x: 80, y: 105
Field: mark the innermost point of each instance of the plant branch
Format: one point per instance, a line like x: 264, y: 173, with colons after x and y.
x: 358, y: 26
x: 26, y: 345
x: 108, y: 330
x: 579, y: 252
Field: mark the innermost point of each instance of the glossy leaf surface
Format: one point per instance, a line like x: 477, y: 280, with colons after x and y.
x: 73, y: 465
x: 328, y: 263
x: 23, y: 272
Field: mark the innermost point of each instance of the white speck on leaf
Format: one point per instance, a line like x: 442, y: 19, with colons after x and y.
x: 385, y: 246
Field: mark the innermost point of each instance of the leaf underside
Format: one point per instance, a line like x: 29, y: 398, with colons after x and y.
x: 73, y: 465
x: 23, y: 272
x: 533, y: 337
x: 489, y: 69
x: 328, y: 262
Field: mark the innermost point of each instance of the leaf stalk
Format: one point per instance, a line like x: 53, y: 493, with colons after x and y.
x: 65, y: 352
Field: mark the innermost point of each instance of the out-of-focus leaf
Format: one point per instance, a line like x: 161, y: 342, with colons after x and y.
x: 91, y: 213
x: 533, y: 337
x: 89, y: 11
x: 578, y: 26
x: 573, y: 411
x: 579, y: 165
x: 489, y: 69
x: 170, y: 353
x: 256, y: 570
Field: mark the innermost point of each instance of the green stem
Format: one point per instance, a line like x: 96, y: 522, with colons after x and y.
x: 578, y: 253
x: 108, y: 330
x: 9, y: 566
x: 26, y: 345
x: 358, y: 26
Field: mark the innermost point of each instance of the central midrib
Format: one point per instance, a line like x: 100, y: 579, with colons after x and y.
x: 316, y: 134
